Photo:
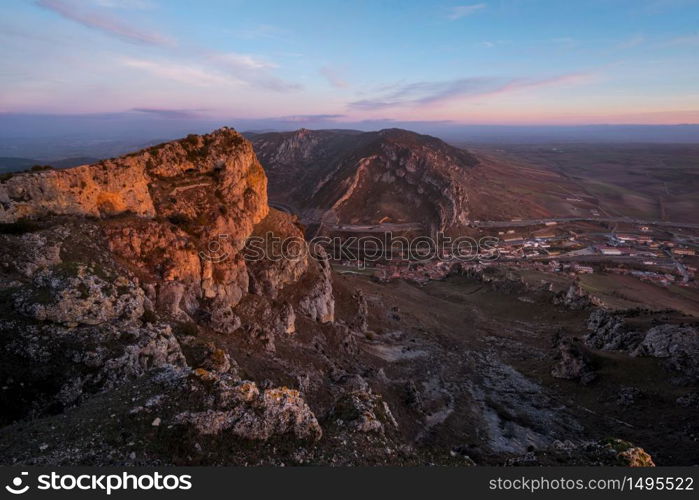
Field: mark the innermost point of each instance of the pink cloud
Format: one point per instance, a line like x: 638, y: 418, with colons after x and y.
x: 107, y: 24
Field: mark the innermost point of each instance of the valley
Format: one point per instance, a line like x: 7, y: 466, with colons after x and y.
x: 138, y: 329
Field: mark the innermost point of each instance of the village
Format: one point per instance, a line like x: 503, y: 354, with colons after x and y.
x: 662, y: 256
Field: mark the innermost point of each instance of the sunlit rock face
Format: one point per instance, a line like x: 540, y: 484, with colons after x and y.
x: 120, y: 251
x: 177, y: 215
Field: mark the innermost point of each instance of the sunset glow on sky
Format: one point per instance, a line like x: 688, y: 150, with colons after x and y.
x: 490, y: 62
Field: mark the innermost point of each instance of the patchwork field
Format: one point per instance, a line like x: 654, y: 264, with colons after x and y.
x: 655, y: 181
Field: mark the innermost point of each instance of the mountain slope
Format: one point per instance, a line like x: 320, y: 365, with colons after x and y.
x: 354, y: 177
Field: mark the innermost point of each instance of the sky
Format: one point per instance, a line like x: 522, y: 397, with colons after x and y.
x: 496, y: 62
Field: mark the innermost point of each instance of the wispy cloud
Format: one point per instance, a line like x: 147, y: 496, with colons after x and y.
x: 183, y: 73
x: 333, y: 77
x: 104, y: 21
x: 252, y: 70
x: 239, y: 61
x: 193, y: 66
x: 423, y: 93
x: 125, y: 4
x: 214, y: 69
x: 459, y: 11
x: 169, y: 113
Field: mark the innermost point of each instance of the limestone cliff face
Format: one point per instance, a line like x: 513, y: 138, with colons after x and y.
x: 149, y: 183
x: 177, y: 216
x: 112, y: 270
x: 106, y: 188
x: 351, y: 177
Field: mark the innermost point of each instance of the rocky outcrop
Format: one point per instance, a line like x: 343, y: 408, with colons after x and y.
x: 47, y: 367
x: 574, y: 298
x: 74, y: 295
x: 573, y: 363
x: 97, y: 190
x: 197, y: 199
x: 242, y: 410
x: 364, y: 411
x: 609, y: 332
x: 677, y: 345
x: 391, y: 175
x: 319, y: 303
x: 118, y: 251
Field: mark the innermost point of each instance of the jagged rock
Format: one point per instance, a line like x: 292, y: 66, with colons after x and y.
x: 609, y: 333
x: 73, y: 296
x: 574, y: 298
x: 360, y: 322
x: 63, y: 365
x: 573, y: 364
x: 364, y: 411
x: 245, y: 412
x: 319, y: 303
x: 678, y: 345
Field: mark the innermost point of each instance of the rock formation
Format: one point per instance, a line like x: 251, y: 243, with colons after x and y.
x: 676, y: 345
x: 102, y: 262
x: 365, y: 178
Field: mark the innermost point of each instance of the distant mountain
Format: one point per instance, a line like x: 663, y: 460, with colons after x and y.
x: 12, y: 164
x: 352, y: 177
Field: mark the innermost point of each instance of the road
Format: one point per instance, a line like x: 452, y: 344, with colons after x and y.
x: 375, y: 228
x: 628, y: 220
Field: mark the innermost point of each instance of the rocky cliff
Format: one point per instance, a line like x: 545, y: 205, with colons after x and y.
x: 351, y: 177
x: 105, y: 267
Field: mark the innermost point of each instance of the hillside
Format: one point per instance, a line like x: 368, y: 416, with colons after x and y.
x: 392, y: 175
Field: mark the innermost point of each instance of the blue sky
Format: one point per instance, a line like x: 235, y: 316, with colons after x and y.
x: 491, y: 62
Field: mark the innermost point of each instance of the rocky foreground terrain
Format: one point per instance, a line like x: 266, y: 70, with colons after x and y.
x: 135, y: 329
